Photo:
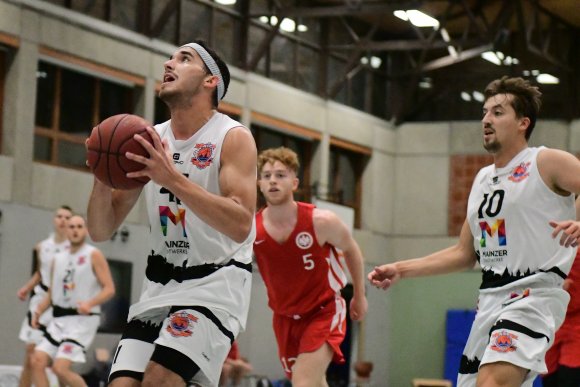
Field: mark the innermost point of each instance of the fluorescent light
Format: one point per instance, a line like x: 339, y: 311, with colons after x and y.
x: 491, y: 57
x: 302, y: 28
x: 364, y: 60
x: 226, y: 2
x: 478, y: 96
x: 401, y: 15
x: 547, y: 79
x: 420, y: 19
x: 376, y: 62
x: 526, y: 73
x: 465, y: 96
x: 535, y: 73
x: 417, y: 17
x: 264, y: 19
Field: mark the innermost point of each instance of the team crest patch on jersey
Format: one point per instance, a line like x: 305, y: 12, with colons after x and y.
x: 304, y: 240
x: 67, y: 348
x: 181, y: 324
x: 82, y: 260
x: 520, y: 172
x: 503, y: 341
x: 203, y: 155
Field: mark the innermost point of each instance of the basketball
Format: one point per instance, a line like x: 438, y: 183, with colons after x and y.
x: 107, y: 145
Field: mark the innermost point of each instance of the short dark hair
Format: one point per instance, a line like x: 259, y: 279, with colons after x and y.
x: 224, y: 70
x: 526, y: 101
x: 65, y: 207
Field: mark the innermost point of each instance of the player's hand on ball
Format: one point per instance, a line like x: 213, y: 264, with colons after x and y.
x: 159, y: 165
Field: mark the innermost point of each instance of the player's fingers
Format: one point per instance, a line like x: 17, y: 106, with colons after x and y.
x: 557, y: 230
x: 138, y: 158
x: 146, y: 144
x: 156, y: 139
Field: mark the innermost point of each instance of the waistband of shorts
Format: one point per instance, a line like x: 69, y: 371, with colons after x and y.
x: 160, y: 271
x: 58, y: 311
x: 549, y: 279
x: 322, y: 305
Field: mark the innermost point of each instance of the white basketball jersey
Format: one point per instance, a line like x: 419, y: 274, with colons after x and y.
x: 508, y: 212
x: 73, y: 279
x: 191, y: 263
x: 47, y: 249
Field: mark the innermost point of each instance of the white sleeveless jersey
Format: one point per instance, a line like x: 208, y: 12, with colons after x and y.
x: 74, y: 280
x: 508, y: 212
x: 47, y: 249
x: 190, y: 263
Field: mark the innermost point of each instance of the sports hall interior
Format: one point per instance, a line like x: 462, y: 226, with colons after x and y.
x: 383, y: 113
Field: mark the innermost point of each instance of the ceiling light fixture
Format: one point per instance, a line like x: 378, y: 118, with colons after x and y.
x: 465, y: 96
x: 478, y: 96
x: 492, y: 57
x: 547, y: 79
x: 417, y: 18
x: 226, y: 2
x: 288, y: 25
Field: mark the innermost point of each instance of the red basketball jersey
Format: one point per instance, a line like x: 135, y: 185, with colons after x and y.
x: 300, y: 275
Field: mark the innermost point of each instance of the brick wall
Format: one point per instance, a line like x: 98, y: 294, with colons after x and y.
x: 463, y: 169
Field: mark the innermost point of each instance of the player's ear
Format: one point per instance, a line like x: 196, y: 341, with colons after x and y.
x: 295, y: 183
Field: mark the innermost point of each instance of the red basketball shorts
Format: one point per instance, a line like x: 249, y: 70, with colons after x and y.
x: 307, y: 333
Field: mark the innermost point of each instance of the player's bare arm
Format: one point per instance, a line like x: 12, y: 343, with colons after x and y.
x: 107, y: 209
x: 44, y: 304
x: 232, y: 213
x: 460, y: 256
x: 329, y: 228
x: 561, y: 172
x: 32, y: 281
x: 103, y: 274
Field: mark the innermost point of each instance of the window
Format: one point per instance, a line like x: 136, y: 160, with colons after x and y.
x: 114, y: 312
x: 345, y: 175
x: 69, y: 104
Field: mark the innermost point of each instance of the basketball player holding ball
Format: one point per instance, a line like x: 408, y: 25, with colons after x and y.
x: 201, y: 201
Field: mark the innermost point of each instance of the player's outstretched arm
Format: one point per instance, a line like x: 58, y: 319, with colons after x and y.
x: 455, y: 258
x: 331, y: 229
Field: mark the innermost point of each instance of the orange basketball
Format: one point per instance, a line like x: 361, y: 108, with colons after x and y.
x: 107, y: 145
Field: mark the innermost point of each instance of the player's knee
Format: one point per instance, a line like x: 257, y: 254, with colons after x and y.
x: 500, y: 374
x: 38, y: 361
x: 154, y: 377
x: 60, y: 370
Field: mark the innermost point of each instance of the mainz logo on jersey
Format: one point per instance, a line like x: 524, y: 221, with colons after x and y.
x: 503, y: 341
x: 520, y: 172
x: 166, y: 213
x: 181, y: 324
x: 203, y: 155
x: 304, y: 240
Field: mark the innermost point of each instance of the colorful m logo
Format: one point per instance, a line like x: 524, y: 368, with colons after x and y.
x: 166, y: 213
x: 497, y: 227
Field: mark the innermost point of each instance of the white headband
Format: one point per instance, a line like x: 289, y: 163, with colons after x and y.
x: 211, y: 65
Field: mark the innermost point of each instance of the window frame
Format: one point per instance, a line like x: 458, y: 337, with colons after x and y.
x: 98, y: 73
x: 363, y: 155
